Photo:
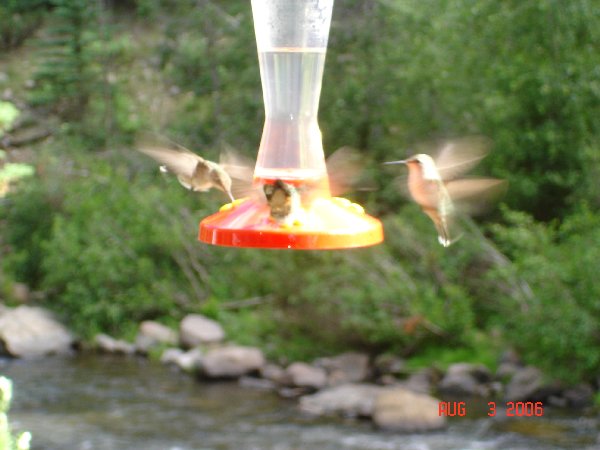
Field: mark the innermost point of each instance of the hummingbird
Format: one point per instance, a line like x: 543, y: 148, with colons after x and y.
x: 433, y: 185
x: 193, y: 172
x: 284, y: 202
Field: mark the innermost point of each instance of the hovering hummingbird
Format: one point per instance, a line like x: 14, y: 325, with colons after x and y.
x: 433, y: 185
x: 193, y: 172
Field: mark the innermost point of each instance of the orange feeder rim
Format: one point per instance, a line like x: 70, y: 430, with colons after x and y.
x: 329, y: 223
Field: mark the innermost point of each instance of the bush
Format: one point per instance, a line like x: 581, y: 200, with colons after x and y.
x: 18, y: 21
x: 7, y: 440
x: 558, y: 329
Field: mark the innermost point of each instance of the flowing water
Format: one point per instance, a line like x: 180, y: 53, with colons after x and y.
x: 111, y: 403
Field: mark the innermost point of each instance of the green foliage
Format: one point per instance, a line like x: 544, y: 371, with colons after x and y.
x: 558, y: 327
x: 7, y: 440
x: 64, y: 79
x: 111, y: 245
x: 18, y: 21
x: 481, y: 349
x: 8, y: 114
x: 32, y: 209
x: 208, y: 50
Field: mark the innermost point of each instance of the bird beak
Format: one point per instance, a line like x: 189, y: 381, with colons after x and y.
x: 402, y: 161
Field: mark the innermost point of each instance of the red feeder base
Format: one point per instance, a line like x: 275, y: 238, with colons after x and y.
x: 329, y: 223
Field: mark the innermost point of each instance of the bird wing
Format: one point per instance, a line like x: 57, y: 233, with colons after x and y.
x: 180, y: 162
x: 241, y: 171
x: 344, y: 169
x: 475, y: 195
x: 457, y: 156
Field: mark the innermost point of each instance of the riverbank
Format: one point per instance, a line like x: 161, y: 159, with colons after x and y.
x: 105, y: 402
x: 382, y: 389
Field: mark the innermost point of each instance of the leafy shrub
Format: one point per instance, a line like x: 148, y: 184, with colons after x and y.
x: 558, y: 329
x: 18, y: 20
x: 7, y: 440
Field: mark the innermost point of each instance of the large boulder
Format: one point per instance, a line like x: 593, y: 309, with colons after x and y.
x: 29, y: 332
x: 348, y: 400
x: 399, y: 409
x: 232, y: 361
x: 196, y: 329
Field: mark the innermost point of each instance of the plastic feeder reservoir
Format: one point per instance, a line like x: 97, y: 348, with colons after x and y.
x: 295, y: 208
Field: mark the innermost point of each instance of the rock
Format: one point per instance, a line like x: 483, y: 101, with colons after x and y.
x: 232, y: 361
x: 152, y: 334
x: 510, y: 357
x: 257, y: 383
x: 466, y: 379
x: 398, y: 409
x: 190, y: 361
x: 170, y: 355
x: 274, y: 373
x: 196, y: 329
x: 345, y: 368
x: 21, y: 292
x: 387, y: 364
x: 348, y: 400
x: 506, y: 370
x: 108, y: 344
x: 29, y: 332
x: 579, y: 396
x: 388, y: 380
x: 304, y: 375
x: 528, y: 384
x: 422, y: 381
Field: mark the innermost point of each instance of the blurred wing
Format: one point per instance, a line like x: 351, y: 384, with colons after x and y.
x: 179, y: 162
x: 457, y: 156
x: 241, y: 171
x: 345, y: 167
x: 476, y: 195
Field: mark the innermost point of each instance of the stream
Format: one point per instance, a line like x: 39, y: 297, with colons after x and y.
x: 96, y: 402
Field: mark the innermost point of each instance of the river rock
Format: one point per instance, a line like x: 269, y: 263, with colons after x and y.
x: 528, y: 384
x: 301, y: 374
x: 466, y: 379
x: 190, y: 361
x: 232, y: 361
x: 108, y: 344
x: 387, y: 364
x: 21, y: 292
x: 579, y: 396
x: 422, y: 381
x: 275, y: 374
x: 506, y: 370
x: 170, y: 355
x: 29, y: 332
x: 196, y: 329
x: 348, y: 400
x: 151, y: 334
x: 345, y: 368
x: 257, y: 383
x: 398, y: 409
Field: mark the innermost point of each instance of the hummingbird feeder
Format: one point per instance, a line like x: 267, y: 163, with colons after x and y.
x: 299, y: 212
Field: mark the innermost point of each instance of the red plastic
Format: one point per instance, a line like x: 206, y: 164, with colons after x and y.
x: 329, y: 223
